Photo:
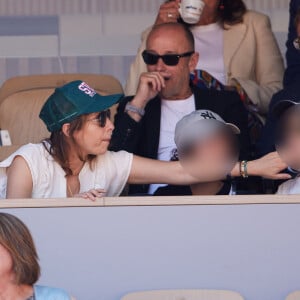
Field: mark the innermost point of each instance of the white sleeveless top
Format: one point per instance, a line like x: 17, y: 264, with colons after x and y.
x: 110, y: 172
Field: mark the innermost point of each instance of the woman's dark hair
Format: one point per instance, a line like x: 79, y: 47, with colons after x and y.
x: 58, y: 146
x: 232, y: 12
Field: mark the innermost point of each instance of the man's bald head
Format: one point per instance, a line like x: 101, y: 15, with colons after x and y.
x: 172, y: 39
x: 181, y: 33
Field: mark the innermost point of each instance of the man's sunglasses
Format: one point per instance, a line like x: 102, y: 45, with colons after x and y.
x: 168, y: 59
x: 102, y: 118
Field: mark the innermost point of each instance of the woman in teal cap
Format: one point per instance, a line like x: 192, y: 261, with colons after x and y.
x: 20, y: 270
x: 75, y: 160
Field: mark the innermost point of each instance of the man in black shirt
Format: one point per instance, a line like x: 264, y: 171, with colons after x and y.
x: 145, y: 123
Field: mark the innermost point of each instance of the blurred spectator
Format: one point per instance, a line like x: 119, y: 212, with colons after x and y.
x: 199, y: 136
x: 19, y: 267
x: 292, y: 72
x: 288, y: 142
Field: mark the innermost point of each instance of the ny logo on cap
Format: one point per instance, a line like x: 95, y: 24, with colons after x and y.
x: 208, y: 115
x: 87, y: 89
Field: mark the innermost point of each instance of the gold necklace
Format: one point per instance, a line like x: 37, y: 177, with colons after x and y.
x: 74, y: 179
x: 69, y: 190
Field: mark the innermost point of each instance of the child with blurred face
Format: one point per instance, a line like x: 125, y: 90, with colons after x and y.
x: 203, y: 136
x: 288, y: 142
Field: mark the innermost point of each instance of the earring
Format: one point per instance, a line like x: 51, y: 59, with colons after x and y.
x: 221, y: 5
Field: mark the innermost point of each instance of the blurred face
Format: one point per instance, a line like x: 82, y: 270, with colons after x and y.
x: 6, y: 265
x: 219, y: 150
x: 288, y: 138
x: 92, y: 138
x: 170, y: 41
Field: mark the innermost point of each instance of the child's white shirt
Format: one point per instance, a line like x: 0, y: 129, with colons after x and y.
x: 291, y: 186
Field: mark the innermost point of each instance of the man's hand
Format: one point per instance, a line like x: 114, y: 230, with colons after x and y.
x: 151, y: 83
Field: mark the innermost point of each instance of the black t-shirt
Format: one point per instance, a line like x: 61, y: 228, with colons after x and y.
x: 178, y: 190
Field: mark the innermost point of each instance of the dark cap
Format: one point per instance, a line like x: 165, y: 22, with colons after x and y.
x: 71, y: 101
x: 282, y: 106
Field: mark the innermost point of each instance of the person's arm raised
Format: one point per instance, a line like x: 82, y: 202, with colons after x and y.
x: 19, y: 179
x: 146, y: 170
x: 150, y: 84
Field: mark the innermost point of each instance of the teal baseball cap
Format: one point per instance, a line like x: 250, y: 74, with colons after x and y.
x: 73, y: 100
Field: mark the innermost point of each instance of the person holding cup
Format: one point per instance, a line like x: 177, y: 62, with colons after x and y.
x: 237, y: 48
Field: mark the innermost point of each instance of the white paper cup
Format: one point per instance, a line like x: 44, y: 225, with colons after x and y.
x: 191, y: 10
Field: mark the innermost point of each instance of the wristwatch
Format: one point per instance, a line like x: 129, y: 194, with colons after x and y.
x: 132, y: 108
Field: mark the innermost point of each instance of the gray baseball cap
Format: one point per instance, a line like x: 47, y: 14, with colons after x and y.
x: 199, y: 125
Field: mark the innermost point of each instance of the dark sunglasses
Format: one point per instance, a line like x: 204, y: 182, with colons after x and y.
x: 168, y: 59
x: 102, y: 117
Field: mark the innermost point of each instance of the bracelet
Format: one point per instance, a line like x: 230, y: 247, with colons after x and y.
x: 132, y: 108
x: 243, y: 169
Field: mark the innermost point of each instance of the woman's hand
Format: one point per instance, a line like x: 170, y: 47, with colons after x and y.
x: 269, y: 166
x: 168, y: 12
x: 92, y: 194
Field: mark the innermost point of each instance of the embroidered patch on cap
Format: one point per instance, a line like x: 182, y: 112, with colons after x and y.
x: 87, y: 89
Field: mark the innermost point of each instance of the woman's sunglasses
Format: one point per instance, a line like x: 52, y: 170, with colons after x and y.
x: 102, y: 118
x: 168, y: 59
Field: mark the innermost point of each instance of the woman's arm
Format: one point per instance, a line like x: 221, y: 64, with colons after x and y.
x: 144, y: 171
x: 19, y: 179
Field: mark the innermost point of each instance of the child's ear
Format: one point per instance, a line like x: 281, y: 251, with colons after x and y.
x: 66, y: 129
